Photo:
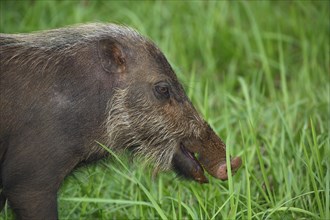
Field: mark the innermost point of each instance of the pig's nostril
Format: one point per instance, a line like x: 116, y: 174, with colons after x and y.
x: 222, y: 172
x: 236, y: 163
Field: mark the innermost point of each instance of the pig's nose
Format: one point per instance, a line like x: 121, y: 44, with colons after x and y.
x: 235, y: 165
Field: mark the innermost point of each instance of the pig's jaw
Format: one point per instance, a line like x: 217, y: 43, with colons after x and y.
x: 193, y: 166
x: 186, y: 164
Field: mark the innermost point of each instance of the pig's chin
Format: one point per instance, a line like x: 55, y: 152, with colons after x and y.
x: 187, y: 165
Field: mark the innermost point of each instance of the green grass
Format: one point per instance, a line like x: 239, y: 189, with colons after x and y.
x: 259, y: 74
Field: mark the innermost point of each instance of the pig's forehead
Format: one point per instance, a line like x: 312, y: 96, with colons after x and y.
x: 163, y: 67
x: 159, y: 60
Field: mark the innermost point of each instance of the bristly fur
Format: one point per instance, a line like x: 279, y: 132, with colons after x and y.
x: 70, y: 36
x: 52, y: 45
x: 154, y: 135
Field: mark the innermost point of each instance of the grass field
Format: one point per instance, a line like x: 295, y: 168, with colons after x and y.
x: 257, y: 71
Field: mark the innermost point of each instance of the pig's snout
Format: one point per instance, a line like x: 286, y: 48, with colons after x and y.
x: 222, y: 172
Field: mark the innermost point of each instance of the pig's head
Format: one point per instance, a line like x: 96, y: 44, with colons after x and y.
x: 150, y: 113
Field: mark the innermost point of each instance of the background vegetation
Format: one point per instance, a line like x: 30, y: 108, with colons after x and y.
x: 257, y: 71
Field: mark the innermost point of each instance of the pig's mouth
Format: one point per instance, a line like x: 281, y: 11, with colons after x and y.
x: 187, y: 165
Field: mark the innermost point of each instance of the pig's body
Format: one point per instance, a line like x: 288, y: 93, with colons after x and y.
x: 52, y: 109
x: 65, y: 89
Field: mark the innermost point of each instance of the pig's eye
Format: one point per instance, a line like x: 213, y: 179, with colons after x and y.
x: 162, y: 90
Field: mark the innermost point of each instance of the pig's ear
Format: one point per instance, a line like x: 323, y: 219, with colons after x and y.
x: 112, y: 56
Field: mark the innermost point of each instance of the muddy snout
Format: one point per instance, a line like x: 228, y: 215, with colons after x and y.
x: 222, y: 172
